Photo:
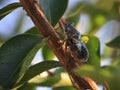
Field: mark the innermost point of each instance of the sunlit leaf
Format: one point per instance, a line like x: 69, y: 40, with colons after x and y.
x: 47, y: 53
x: 115, y: 43
x: 110, y: 75
x: 97, y: 74
x: 93, y: 46
x: 8, y: 9
x: 52, y: 79
x: 47, y: 81
x: 53, y: 9
x: 37, y: 69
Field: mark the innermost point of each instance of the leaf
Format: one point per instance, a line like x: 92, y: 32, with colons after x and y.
x: 74, y: 14
x: 99, y: 75
x: 47, y: 81
x: 64, y: 88
x: 8, y: 9
x: 47, y: 53
x: 37, y: 69
x: 53, y: 9
x: 33, y: 31
x: 93, y: 46
x: 27, y: 60
x: 12, y: 54
x: 109, y: 75
x: 56, y: 79
x: 27, y: 87
x: 115, y: 43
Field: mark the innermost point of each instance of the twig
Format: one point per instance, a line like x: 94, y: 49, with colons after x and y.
x: 45, y: 29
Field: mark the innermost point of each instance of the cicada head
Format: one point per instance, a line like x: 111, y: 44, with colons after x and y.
x: 68, y: 27
x: 72, y: 33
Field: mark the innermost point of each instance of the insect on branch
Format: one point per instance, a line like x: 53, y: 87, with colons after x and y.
x: 45, y: 29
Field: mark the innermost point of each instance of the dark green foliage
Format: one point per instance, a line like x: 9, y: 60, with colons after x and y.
x: 8, y: 9
x: 12, y: 55
x: 115, y: 43
x: 38, y: 68
x: 53, y: 9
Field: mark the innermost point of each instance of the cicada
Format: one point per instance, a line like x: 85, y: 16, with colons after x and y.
x: 75, y: 44
x: 75, y: 47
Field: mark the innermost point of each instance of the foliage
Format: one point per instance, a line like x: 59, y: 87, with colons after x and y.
x: 17, y: 53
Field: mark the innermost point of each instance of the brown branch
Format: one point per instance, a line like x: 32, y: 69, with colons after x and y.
x: 46, y: 30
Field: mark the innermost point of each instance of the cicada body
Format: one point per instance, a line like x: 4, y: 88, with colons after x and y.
x: 73, y: 41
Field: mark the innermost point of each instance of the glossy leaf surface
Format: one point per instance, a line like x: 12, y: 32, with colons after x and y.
x: 53, y: 9
x: 37, y: 69
x: 12, y: 55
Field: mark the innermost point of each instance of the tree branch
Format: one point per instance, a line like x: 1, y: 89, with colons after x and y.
x: 46, y: 30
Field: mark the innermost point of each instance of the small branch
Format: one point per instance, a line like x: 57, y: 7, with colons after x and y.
x: 46, y: 30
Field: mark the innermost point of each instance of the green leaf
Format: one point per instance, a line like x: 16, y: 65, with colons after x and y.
x: 27, y: 60
x: 74, y: 14
x: 37, y: 69
x: 110, y: 75
x: 27, y: 86
x: 33, y: 31
x: 47, y: 53
x: 8, y: 9
x: 12, y: 54
x: 54, y: 79
x: 97, y: 74
x: 53, y: 9
x: 115, y: 43
x: 93, y: 46
x: 64, y: 88
x: 47, y: 81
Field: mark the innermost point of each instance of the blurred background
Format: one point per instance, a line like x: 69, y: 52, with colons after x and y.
x: 97, y: 17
